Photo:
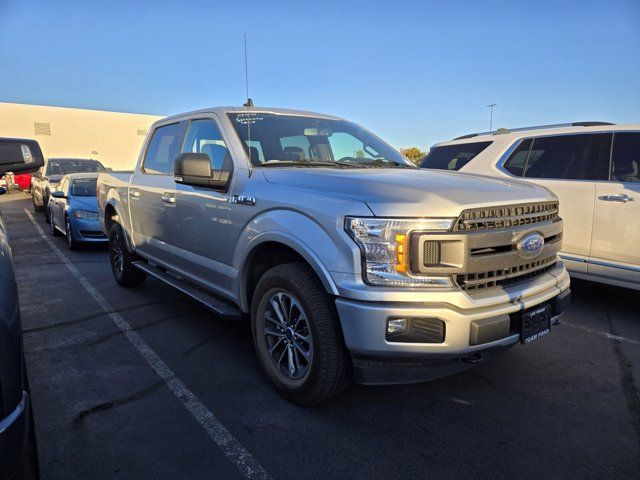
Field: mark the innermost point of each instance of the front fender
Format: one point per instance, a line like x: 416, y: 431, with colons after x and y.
x: 324, y: 250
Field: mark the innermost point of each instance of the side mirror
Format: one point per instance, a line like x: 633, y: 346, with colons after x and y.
x: 19, y: 155
x: 195, y: 169
x: 58, y: 194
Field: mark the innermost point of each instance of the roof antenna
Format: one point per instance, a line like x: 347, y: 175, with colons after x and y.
x: 248, y: 104
x: 246, y: 73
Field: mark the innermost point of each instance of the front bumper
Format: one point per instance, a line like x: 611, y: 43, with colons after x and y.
x: 89, y: 231
x: 14, y: 432
x: 364, y: 326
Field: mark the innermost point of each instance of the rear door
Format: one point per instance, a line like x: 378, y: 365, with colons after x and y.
x: 566, y: 165
x: 152, y: 196
x: 615, y: 242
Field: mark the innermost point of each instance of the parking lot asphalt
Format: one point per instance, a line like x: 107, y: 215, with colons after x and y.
x: 565, y: 406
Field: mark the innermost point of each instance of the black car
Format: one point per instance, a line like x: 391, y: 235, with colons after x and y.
x: 15, y: 410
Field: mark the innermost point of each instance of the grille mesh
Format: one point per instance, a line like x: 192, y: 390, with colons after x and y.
x: 507, y: 216
x: 431, y: 253
x: 505, y: 276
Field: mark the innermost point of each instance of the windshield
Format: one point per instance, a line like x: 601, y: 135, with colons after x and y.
x: 277, y: 140
x: 84, y: 187
x: 452, y: 157
x: 66, y: 166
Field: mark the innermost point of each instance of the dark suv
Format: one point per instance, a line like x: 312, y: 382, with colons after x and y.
x: 15, y: 410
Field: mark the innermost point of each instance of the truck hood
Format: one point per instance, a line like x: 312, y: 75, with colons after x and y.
x: 409, y: 193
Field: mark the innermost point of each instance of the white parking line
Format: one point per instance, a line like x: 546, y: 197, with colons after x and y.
x: 236, y: 453
x: 610, y: 336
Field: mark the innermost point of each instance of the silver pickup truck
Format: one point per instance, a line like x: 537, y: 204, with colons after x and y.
x: 349, y: 261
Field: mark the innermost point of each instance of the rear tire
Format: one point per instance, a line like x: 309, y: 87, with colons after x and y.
x: 292, y: 292
x: 121, y: 259
x: 36, y: 207
x: 45, y: 207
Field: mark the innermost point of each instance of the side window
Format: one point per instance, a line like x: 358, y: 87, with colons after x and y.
x: 453, y: 157
x: 625, y: 160
x: 162, y: 150
x: 204, y: 136
x: 517, y: 161
x: 63, y: 186
x: 600, y: 156
x: 570, y: 157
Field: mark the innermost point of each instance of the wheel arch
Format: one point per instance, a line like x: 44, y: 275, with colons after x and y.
x: 270, y: 250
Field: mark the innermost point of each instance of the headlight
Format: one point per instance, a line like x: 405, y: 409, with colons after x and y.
x: 384, y: 243
x: 85, y: 215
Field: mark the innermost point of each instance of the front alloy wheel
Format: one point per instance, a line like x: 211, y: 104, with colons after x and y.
x: 297, y: 335
x: 288, y: 336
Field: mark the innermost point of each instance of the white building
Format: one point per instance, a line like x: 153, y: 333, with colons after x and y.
x: 114, y: 138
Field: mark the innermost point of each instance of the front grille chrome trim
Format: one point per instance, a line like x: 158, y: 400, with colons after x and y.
x: 507, y: 216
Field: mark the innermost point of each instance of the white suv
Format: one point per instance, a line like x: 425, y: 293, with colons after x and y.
x: 593, y: 168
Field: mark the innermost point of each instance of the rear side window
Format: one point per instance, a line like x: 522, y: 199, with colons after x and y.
x: 163, y: 149
x: 518, y: 159
x: 571, y: 157
x: 453, y: 157
x: 625, y: 161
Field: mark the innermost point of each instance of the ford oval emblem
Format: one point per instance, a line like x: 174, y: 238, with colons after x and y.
x: 531, y: 245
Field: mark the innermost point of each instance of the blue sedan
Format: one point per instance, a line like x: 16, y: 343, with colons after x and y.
x: 73, y: 210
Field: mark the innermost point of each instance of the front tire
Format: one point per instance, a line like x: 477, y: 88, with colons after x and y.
x: 52, y: 226
x: 297, y: 335
x: 71, y: 243
x: 121, y: 259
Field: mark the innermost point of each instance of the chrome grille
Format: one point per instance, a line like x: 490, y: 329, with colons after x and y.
x: 507, y: 216
x: 505, y: 276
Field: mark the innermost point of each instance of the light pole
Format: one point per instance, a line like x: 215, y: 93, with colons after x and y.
x: 490, y: 107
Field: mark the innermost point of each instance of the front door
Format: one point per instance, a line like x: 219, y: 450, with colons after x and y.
x: 152, y: 196
x: 201, y: 230
x: 616, y: 229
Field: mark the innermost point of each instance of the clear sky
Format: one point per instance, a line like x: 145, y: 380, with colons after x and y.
x: 415, y: 72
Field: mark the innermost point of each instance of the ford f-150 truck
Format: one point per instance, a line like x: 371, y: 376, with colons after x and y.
x: 349, y: 261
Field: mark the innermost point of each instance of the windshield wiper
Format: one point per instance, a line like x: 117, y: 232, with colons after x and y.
x: 379, y: 163
x: 306, y: 163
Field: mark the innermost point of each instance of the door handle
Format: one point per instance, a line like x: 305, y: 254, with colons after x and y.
x: 168, y: 197
x: 621, y: 197
x: 134, y: 193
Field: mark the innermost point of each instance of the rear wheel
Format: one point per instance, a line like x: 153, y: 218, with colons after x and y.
x: 36, y: 207
x: 122, y: 259
x: 45, y: 206
x: 297, y: 335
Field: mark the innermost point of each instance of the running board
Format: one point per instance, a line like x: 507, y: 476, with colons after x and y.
x: 217, y: 306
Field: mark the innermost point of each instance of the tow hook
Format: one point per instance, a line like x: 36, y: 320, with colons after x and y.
x: 473, y: 359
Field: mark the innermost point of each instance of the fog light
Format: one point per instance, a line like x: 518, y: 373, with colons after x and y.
x: 397, y: 325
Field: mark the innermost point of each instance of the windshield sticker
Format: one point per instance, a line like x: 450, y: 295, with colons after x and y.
x: 248, y: 118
